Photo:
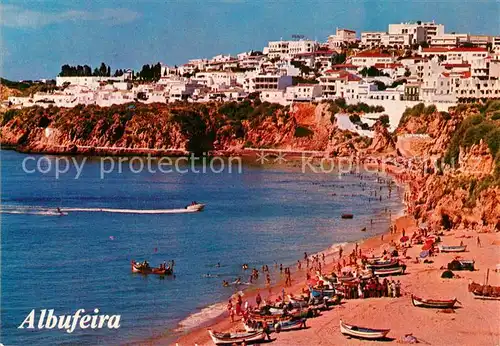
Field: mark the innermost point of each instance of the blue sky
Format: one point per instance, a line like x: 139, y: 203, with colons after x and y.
x: 37, y: 37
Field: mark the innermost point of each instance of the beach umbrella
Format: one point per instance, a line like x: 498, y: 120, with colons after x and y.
x: 404, y: 239
x: 427, y: 247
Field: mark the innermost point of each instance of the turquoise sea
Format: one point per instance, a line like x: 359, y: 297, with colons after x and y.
x: 82, y: 260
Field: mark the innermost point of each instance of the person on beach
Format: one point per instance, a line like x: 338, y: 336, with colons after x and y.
x: 281, y: 268
x: 268, y: 279
x: 258, y: 300
x: 393, y: 289
x: 299, y: 265
x: 340, y: 252
x: 384, y: 285
x: 478, y: 242
x: 267, y: 330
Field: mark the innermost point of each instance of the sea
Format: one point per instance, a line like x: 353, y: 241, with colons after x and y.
x: 260, y: 214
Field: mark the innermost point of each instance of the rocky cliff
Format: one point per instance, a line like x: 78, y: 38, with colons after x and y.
x: 454, y: 181
x: 215, y: 127
x: 457, y: 181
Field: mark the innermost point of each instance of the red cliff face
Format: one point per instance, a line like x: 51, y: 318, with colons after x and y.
x: 382, y: 141
x: 463, y: 195
x: 467, y: 191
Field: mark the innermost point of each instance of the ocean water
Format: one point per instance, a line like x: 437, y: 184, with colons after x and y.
x: 82, y: 260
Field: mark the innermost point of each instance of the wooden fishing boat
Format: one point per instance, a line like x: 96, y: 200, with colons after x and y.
x: 374, y: 260
x: 388, y: 271
x: 484, y: 291
x: 269, y: 318
x: 318, y: 293
x: 459, y: 264
x: 347, y: 216
x: 238, y: 338
x: 297, y: 303
x: 141, y: 269
x: 362, y: 332
x: 282, y: 326
x: 451, y: 248
x: 433, y: 303
x: 383, y: 264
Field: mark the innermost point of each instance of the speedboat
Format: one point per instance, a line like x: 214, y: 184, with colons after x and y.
x: 195, y: 207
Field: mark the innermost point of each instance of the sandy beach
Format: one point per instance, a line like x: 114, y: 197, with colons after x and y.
x: 474, y: 322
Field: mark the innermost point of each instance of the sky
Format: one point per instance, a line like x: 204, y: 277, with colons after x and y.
x: 37, y: 37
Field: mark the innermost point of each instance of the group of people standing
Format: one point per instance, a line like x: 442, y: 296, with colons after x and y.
x: 373, y: 288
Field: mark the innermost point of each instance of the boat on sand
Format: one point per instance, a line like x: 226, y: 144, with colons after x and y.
x: 383, y: 264
x: 451, y: 248
x: 433, y: 303
x: 282, y: 326
x: 389, y: 271
x: 236, y: 338
x: 363, y: 332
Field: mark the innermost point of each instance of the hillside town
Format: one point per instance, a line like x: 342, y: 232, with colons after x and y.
x: 410, y: 63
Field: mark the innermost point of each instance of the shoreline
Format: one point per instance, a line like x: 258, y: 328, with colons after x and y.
x: 198, y: 334
x: 416, y: 281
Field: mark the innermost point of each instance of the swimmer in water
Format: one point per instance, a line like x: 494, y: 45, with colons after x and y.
x: 217, y: 265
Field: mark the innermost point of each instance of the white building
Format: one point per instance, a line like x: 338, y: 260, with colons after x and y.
x: 371, y: 38
x: 449, y: 40
x: 285, y: 50
x: 368, y: 59
x: 88, y: 81
x: 216, y: 80
x: 397, y: 40
x: 495, y: 44
x: 342, y: 38
x: 303, y: 92
x: 421, y: 31
x: 338, y: 83
x: 267, y: 82
x: 455, y: 55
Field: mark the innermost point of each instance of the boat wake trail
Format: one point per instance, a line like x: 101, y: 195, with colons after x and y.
x: 36, y: 210
x: 129, y: 211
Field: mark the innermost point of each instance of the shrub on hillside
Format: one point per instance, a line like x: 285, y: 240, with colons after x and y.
x: 354, y: 118
x: 384, y: 119
x: 9, y: 115
x: 302, y: 131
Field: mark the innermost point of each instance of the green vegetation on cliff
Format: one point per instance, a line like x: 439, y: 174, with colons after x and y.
x: 474, y: 129
x: 198, y: 128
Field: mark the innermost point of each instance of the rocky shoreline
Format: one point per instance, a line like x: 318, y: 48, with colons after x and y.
x: 452, y: 159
